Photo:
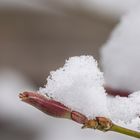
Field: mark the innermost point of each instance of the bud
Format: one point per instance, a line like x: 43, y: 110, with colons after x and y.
x: 46, y: 105
x: 100, y: 123
x: 104, y: 124
x: 51, y: 107
x: 78, y: 117
x: 91, y: 124
x: 56, y: 109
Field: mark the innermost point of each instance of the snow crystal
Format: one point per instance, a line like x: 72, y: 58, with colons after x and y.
x: 120, y: 55
x: 79, y: 85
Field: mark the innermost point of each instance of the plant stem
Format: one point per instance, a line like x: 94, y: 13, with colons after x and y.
x: 125, y: 131
x: 56, y: 109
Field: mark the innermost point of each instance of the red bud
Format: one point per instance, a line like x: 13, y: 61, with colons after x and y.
x: 46, y: 104
x: 51, y: 107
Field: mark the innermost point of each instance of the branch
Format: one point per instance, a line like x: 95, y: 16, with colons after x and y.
x: 125, y: 131
x: 56, y: 109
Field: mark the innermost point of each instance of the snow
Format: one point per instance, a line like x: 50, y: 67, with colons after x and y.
x: 120, y: 55
x: 134, y: 124
x: 79, y: 85
x: 14, y: 82
x: 124, y: 108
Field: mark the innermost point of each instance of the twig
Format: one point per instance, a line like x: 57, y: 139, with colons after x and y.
x: 56, y: 109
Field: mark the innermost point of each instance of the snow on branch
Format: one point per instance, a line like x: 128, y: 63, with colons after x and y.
x: 76, y: 91
x: 79, y: 85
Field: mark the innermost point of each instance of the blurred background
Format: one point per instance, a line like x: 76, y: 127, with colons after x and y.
x: 36, y: 36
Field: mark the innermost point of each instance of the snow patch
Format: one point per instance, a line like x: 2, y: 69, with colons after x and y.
x: 79, y: 85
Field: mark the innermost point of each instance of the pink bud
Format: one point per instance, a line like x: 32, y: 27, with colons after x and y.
x: 46, y: 105
x: 51, y: 107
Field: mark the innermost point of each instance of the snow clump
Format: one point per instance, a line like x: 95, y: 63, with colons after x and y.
x: 79, y: 85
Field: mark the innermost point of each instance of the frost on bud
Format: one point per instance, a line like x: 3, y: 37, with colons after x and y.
x: 51, y: 107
